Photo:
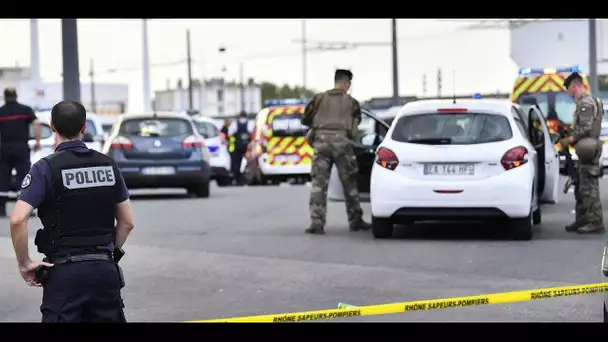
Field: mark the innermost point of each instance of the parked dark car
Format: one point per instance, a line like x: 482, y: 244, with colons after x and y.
x: 160, y: 150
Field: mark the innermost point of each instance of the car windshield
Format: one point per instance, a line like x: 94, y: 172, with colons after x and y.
x: 156, y: 127
x: 287, y: 125
x: 91, y: 128
x: 564, y: 104
x: 207, y: 129
x: 452, y: 128
x: 46, y: 131
x: 107, y: 128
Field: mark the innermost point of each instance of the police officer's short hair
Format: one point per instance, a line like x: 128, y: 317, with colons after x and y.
x: 68, y: 118
x: 343, y: 75
x: 575, y: 76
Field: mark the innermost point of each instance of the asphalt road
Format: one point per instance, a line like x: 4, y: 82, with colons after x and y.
x: 244, y: 252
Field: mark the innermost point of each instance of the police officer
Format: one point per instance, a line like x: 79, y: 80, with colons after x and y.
x: 333, y: 118
x: 79, y: 193
x: 587, y: 124
x: 15, y: 119
x: 240, y: 137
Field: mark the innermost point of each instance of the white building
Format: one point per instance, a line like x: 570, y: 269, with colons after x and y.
x: 212, y: 97
x: 109, y: 98
x: 558, y: 43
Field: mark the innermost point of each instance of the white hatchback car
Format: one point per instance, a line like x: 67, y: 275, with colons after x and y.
x: 469, y: 160
x: 218, y: 149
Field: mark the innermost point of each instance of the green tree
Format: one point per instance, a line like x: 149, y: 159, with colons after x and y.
x: 274, y: 91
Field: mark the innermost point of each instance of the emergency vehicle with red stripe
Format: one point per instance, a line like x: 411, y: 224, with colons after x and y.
x: 279, y: 150
x: 544, y: 87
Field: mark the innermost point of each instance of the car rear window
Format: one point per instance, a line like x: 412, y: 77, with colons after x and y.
x: 452, y: 128
x: 155, y: 127
x: 207, y: 129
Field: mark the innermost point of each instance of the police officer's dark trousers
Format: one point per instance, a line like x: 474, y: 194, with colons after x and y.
x: 84, y: 291
x: 236, y: 159
x: 12, y: 156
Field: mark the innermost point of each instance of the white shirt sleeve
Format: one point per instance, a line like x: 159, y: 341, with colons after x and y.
x: 232, y: 129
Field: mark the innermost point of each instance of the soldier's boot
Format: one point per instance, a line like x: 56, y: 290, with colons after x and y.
x: 574, y: 226
x: 359, y: 225
x: 592, y: 228
x: 315, y: 229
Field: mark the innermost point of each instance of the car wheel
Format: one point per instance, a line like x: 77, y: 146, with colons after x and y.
x: 200, y: 190
x: 521, y: 228
x: 537, y: 217
x: 382, y: 228
x: 224, y: 181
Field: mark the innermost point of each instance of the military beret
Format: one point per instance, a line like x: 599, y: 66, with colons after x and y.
x: 10, y: 92
x: 343, y: 73
x: 572, y: 77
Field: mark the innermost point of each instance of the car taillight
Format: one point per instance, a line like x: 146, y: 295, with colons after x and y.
x: 121, y: 142
x: 386, y: 158
x: 514, y: 157
x: 193, y: 142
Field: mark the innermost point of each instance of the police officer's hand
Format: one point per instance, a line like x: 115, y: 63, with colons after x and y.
x: 28, y: 271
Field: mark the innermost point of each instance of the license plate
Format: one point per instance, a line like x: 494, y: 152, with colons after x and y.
x: 282, y: 158
x: 168, y: 170
x: 449, y: 169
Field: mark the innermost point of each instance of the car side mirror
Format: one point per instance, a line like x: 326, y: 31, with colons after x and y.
x: 88, y: 137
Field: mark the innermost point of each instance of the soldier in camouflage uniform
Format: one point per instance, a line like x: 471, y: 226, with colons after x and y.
x: 333, y: 118
x: 587, y: 124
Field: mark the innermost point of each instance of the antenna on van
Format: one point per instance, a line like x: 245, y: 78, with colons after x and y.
x: 454, y: 84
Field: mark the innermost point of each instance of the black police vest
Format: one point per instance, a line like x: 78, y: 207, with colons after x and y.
x: 242, y: 135
x: 81, y: 208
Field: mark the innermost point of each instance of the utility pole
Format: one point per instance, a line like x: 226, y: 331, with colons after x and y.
x: 593, y: 78
x: 395, y: 64
x: 242, y: 81
x: 35, y: 61
x: 92, y: 75
x: 438, y: 82
x: 304, y: 59
x: 146, y: 66
x: 190, y: 104
x: 71, y: 74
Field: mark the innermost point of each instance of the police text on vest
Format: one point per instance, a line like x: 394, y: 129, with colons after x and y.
x: 88, y: 177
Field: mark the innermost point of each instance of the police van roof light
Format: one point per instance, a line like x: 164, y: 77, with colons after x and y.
x: 477, y: 96
x: 284, y: 102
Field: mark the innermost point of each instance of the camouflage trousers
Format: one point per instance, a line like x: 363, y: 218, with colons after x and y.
x: 330, y: 149
x: 588, y: 207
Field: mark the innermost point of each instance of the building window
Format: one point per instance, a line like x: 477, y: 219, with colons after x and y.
x: 220, y: 95
x: 220, y: 109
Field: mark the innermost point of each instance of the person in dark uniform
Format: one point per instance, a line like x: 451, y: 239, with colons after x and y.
x: 79, y: 193
x: 240, y: 137
x: 15, y: 119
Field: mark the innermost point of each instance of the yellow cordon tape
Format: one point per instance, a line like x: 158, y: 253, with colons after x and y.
x: 421, y: 305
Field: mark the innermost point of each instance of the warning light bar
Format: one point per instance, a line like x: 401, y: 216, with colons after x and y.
x: 541, y: 71
x: 284, y: 102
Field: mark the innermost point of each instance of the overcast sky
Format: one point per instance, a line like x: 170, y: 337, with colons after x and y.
x: 479, y: 59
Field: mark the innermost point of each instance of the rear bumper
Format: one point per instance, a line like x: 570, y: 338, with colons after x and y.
x: 219, y: 172
x: 282, y: 170
x: 505, y: 195
x: 186, y: 173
